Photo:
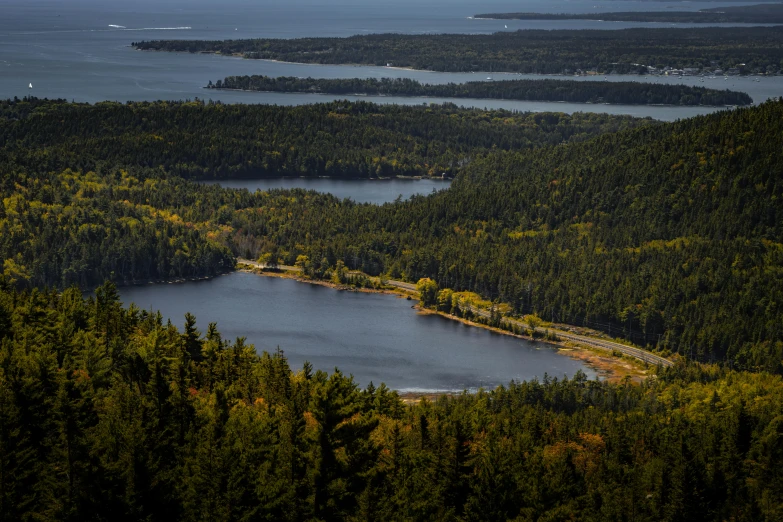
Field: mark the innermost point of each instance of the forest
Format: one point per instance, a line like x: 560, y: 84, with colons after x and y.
x: 740, y: 14
x: 665, y: 234
x: 96, y: 192
x: 112, y: 413
x: 338, y: 139
x: 754, y: 49
x: 627, y: 93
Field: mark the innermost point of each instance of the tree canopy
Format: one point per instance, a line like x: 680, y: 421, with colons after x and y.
x: 112, y: 413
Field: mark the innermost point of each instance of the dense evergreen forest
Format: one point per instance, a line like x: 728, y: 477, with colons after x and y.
x: 741, y: 14
x: 667, y: 234
x: 110, y: 413
x: 96, y: 192
x: 338, y: 139
x: 629, y: 93
x: 760, y: 49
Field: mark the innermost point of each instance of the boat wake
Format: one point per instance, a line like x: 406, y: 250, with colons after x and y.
x: 117, y: 26
x: 159, y: 29
x: 112, y: 29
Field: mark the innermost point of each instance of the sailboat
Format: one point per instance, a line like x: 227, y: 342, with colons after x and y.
x: 31, y: 86
x: 505, y: 26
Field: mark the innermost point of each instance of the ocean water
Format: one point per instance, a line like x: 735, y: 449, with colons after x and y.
x: 80, y: 50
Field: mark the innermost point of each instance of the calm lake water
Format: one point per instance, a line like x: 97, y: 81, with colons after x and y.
x: 361, y: 191
x: 375, y: 337
x: 67, y: 49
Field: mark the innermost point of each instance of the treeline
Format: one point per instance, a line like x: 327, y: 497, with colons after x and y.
x: 337, y: 139
x: 531, y: 51
x: 745, y: 14
x: 629, y: 93
x: 112, y: 413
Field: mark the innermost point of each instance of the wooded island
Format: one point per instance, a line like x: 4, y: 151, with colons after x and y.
x: 628, y: 93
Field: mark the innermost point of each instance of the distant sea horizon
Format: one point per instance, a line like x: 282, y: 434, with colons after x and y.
x: 80, y: 50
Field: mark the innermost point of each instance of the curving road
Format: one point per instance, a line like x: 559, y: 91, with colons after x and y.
x: 637, y: 353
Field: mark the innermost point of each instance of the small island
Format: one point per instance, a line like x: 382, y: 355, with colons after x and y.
x: 626, y: 93
x: 744, y: 14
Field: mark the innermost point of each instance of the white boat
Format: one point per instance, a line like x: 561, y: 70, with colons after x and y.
x: 31, y: 86
x: 489, y: 78
x: 505, y: 26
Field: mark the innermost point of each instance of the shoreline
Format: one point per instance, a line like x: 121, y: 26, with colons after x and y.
x: 168, y: 281
x: 606, y: 365
x: 377, y: 178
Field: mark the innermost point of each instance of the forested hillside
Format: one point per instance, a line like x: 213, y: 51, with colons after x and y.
x: 630, y: 93
x: 108, y: 413
x: 97, y: 192
x: 337, y: 139
x: 668, y: 234
x: 530, y: 51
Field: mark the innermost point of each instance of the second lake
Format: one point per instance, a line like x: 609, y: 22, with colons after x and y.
x: 359, y: 190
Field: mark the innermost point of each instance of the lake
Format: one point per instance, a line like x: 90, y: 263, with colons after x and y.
x: 67, y: 49
x: 375, y: 337
x: 360, y: 191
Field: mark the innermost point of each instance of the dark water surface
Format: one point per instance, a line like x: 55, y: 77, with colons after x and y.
x: 67, y: 49
x: 360, y: 191
x: 375, y: 337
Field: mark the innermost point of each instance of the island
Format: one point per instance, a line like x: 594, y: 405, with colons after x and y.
x: 738, y: 50
x: 627, y: 93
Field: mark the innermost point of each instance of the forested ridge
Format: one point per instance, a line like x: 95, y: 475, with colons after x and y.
x: 666, y: 234
x: 745, y: 14
x: 111, y: 413
x: 758, y: 49
x: 97, y: 192
x: 631, y: 93
x: 338, y: 139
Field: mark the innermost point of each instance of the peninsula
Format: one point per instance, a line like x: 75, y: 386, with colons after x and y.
x: 748, y: 50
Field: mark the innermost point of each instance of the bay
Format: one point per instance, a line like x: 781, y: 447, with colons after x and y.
x: 68, y: 49
x: 375, y: 337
